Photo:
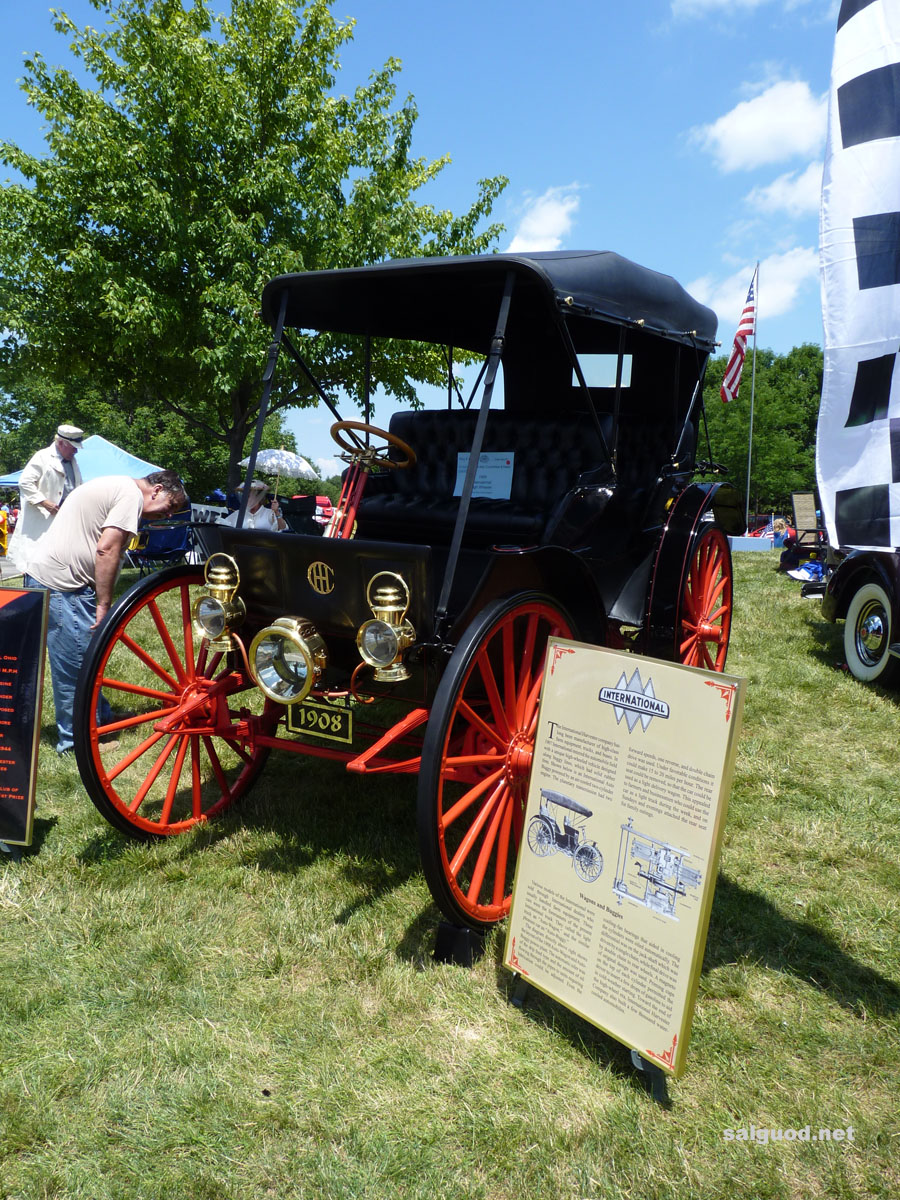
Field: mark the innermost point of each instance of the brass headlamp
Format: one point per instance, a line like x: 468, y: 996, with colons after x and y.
x: 382, y: 641
x: 218, y: 609
x: 287, y: 659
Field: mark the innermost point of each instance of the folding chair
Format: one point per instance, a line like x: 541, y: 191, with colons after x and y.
x: 161, y: 544
x: 810, y: 531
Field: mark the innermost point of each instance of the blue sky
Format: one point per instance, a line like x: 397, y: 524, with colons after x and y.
x: 687, y: 135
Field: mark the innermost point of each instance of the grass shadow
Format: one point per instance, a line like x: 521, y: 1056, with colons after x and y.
x: 608, y: 1053
x: 744, y: 925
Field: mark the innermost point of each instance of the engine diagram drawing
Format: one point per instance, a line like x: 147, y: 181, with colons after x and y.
x: 556, y: 828
x: 651, y: 872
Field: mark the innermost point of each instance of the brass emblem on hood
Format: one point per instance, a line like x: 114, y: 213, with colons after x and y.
x: 321, y: 578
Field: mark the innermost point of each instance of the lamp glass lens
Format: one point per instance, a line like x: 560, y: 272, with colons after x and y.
x: 211, y: 616
x: 281, y: 666
x: 379, y: 644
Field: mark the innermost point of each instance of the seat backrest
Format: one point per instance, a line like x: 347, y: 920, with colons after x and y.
x: 548, y: 453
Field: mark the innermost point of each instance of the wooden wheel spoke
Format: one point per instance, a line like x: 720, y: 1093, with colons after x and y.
x: 163, y: 630
x: 487, y: 810
x: 488, y: 846
x: 136, y: 689
x: 508, y: 654
x: 477, y: 722
x: 166, y: 814
x: 503, y: 842
x: 196, y: 781
x: 216, y: 765
x: 150, y: 662
x: 472, y: 796
x: 493, y: 694
x: 188, y: 624
x: 153, y: 774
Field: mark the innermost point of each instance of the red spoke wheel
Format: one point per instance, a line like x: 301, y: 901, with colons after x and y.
x: 183, y: 716
x: 476, y: 757
x: 704, y: 614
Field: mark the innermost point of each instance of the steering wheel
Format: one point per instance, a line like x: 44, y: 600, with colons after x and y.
x: 373, y: 455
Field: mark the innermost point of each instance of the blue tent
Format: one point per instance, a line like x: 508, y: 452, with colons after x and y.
x: 98, y: 457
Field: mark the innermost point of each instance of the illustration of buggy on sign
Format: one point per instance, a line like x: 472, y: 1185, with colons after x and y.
x: 546, y: 836
x: 411, y: 637
x: 660, y: 869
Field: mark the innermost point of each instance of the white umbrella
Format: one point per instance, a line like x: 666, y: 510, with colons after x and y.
x: 282, y: 462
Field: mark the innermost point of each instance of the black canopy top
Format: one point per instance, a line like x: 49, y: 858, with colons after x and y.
x: 455, y: 301
x: 565, y: 802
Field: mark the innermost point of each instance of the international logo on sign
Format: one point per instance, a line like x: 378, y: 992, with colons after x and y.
x: 321, y: 578
x: 633, y: 701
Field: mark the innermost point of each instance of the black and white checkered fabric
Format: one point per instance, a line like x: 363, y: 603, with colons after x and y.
x: 858, y: 444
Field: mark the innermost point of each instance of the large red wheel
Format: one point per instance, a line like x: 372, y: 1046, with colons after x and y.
x: 703, y: 626
x: 476, y: 757
x: 184, y: 717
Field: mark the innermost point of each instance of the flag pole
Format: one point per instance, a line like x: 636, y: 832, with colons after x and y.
x: 752, y: 397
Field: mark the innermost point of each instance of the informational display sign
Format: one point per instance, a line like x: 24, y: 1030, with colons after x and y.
x: 615, y: 877
x: 493, y: 479
x: 23, y: 635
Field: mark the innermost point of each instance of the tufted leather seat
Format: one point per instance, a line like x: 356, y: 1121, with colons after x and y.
x: 417, y: 504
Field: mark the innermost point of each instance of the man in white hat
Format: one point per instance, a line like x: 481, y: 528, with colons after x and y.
x: 257, y: 515
x: 46, y: 480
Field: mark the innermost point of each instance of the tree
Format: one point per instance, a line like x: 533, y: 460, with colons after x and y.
x: 785, y: 411
x: 212, y: 154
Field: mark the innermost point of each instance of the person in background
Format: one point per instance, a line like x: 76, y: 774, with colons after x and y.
x: 257, y: 515
x: 78, y: 562
x: 46, y: 480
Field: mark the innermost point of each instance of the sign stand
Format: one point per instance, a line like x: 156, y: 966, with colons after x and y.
x: 655, y: 1078
x: 458, y: 944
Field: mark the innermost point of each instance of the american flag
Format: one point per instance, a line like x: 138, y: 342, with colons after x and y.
x: 731, y: 381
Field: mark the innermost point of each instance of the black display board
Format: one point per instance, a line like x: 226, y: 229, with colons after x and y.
x: 23, y: 635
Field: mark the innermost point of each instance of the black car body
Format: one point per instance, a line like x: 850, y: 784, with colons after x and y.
x: 412, y: 639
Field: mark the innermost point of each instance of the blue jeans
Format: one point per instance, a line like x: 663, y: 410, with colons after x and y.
x: 69, y: 622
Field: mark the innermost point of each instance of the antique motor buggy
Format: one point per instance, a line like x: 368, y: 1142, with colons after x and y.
x: 545, y: 836
x: 411, y: 637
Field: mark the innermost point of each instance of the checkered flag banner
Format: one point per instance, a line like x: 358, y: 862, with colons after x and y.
x: 858, y: 443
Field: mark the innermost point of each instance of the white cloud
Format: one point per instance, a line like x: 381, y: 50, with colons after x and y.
x: 781, y: 279
x: 796, y: 193
x: 702, y: 8
x: 329, y: 466
x: 546, y: 220
x: 783, y: 122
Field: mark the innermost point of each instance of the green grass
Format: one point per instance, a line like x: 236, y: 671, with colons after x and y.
x: 252, y: 1010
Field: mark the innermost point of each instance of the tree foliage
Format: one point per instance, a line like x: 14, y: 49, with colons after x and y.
x: 211, y: 154
x: 785, y: 409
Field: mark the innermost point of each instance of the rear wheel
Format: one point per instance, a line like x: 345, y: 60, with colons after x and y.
x: 867, y: 636
x: 540, y: 837
x: 476, y: 757
x: 184, y: 729
x: 703, y: 626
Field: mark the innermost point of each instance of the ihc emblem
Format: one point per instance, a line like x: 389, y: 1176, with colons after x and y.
x: 321, y: 578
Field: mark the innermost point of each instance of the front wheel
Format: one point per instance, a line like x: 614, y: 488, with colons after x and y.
x: 703, y: 625
x: 588, y: 862
x: 867, y: 636
x: 476, y: 757
x: 178, y: 747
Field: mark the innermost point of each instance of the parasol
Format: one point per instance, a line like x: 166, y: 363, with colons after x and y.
x: 282, y: 462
